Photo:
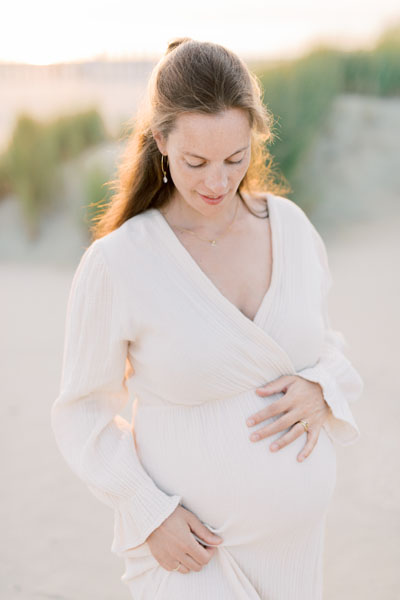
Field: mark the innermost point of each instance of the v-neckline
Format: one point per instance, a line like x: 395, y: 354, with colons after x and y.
x: 186, y: 259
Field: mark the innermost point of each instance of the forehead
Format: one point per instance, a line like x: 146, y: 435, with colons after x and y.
x: 205, y: 135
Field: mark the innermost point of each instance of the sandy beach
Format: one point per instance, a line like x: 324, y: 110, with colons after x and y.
x: 56, y: 537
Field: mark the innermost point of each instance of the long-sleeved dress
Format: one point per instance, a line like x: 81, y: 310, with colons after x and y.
x: 144, y: 322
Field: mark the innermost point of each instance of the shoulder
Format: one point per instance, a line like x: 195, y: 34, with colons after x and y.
x: 292, y: 216
x: 118, y: 254
x: 290, y: 210
x: 128, y: 242
x: 299, y: 232
x: 134, y: 228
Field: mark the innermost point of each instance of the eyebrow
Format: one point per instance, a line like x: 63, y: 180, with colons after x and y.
x: 202, y: 157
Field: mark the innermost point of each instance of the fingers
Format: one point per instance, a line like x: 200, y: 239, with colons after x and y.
x: 188, y: 563
x: 182, y: 568
x: 280, y: 384
x: 294, y: 432
x: 193, y: 555
x: 284, y: 422
x: 274, y: 409
x: 312, y: 438
x: 174, y: 546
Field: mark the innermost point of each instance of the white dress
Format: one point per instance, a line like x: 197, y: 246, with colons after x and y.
x: 145, y: 323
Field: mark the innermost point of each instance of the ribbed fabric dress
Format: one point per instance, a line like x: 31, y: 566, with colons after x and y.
x: 145, y: 323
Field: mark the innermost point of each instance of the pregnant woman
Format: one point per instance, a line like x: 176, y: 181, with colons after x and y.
x: 203, y: 299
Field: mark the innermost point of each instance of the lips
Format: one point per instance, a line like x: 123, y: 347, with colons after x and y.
x: 212, y: 199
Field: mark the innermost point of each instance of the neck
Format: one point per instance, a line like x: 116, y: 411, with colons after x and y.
x: 179, y: 212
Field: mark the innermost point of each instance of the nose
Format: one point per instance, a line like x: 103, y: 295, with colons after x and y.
x: 216, y: 182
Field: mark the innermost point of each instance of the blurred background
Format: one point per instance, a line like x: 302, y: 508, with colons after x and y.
x: 71, y: 78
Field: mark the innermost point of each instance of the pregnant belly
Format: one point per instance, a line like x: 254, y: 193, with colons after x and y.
x: 237, y: 487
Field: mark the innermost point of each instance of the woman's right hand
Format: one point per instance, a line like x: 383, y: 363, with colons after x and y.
x: 173, y: 541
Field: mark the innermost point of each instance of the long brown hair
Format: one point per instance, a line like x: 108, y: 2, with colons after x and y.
x: 192, y: 76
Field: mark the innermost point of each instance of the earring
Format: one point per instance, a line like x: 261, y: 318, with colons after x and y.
x: 162, y: 169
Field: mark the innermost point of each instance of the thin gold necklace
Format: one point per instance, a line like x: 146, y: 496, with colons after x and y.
x: 214, y: 241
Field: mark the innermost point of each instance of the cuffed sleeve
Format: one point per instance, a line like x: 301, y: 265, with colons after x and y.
x: 96, y: 442
x: 339, y: 380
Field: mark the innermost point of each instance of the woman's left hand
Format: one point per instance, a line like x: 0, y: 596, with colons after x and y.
x: 302, y: 400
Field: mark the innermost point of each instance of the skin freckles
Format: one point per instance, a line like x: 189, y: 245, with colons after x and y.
x: 208, y: 155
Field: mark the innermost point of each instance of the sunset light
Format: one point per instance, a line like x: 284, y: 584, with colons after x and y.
x: 45, y: 32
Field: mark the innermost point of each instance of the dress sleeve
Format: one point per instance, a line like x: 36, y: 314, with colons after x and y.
x: 340, y: 382
x: 96, y: 442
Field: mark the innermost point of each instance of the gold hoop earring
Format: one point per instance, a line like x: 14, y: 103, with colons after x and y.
x: 162, y: 169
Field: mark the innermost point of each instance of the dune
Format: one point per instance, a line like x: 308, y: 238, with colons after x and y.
x: 56, y: 536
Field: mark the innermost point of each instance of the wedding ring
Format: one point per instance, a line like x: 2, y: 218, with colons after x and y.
x: 305, y: 424
x: 176, y: 568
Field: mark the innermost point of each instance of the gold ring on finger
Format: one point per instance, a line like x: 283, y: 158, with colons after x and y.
x: 305, y: 424
x: 176, y: 568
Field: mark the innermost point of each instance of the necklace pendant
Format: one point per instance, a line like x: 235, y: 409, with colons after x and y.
x: 213, y: 242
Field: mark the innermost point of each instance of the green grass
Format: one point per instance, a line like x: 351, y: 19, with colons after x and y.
x: 29, y: 166
x: 300, y: 93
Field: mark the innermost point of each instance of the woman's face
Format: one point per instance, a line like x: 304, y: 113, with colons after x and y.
x: 208, y: 155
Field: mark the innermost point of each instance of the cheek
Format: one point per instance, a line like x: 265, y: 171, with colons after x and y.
x: 192, y: 179
x: 189, y: 181
x: 246, y: 163
x: 240, y: 172
x: 183, y: 176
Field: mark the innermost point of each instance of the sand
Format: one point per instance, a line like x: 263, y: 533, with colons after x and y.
x: 56, y: 537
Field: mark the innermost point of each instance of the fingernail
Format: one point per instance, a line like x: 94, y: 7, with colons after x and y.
x: 254, y: 437
x: 274, y: 447
x: 250, y: 422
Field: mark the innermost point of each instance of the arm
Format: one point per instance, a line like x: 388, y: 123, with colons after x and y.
x: 96, y: 442
x: 340, y: 382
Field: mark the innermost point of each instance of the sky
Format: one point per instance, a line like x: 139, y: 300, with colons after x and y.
x: 45, y: 32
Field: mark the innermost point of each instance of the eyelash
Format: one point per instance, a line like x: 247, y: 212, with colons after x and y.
x: 237, y: 162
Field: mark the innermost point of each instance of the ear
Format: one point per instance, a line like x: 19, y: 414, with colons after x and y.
x: 160, y: 141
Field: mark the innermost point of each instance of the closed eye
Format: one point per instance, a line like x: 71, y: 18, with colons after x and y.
x: 230, y: 162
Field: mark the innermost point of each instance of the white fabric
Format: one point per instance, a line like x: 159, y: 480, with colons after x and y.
x: 145, y: 323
